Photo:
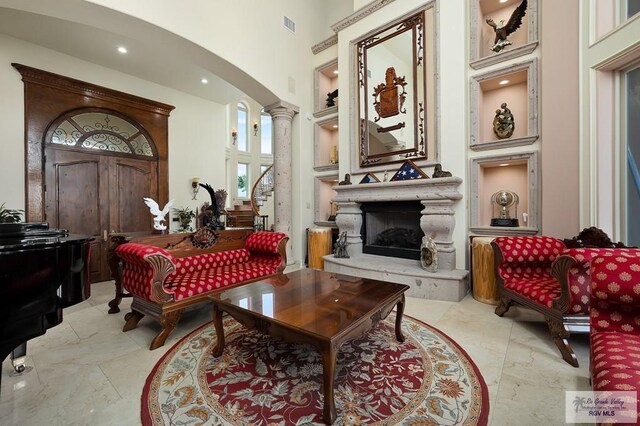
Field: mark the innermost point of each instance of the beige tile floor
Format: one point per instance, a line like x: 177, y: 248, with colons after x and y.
x: 86, y: 371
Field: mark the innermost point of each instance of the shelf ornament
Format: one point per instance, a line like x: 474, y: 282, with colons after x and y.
x: 409, y: 170
x: 504, y: 200
x: 369, y: 178
x: 503, y: 122
x: 504, y: 30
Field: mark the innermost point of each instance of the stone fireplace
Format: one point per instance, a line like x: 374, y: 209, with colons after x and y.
x: 392, y: 229
x: 393, y: 208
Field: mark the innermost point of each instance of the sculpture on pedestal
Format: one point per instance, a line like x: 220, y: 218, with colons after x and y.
x: 159, y: 214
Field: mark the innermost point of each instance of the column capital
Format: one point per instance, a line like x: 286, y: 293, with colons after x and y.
x: 282, y: 109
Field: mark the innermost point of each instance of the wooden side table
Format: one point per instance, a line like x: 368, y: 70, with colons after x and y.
x: 485, y: 289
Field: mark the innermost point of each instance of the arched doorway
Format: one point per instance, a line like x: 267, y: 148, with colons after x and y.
x: 92, y: 155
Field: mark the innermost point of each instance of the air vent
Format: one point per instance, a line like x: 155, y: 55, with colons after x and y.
x: 368, y: 73
x: 289, y: 24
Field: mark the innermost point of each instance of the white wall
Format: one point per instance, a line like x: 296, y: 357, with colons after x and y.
x: 196, y: 126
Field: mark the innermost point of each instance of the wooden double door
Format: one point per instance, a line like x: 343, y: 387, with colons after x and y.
x: 96, y: 194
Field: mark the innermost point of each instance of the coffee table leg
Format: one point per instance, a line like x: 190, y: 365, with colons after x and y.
x: 399, y: 312
x: 329, y: 371
x: 217, y: 323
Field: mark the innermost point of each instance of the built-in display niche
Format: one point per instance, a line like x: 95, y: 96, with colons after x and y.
x: 504, y: 109
x: 392, y: 229
x: 486, y: 47
x: 326, y: 153
x: 325, y: 208
x: 326, y: 89
x: 505, y: 194
x: 396, y: 93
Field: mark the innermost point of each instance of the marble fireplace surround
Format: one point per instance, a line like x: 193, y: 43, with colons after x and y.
x: 438, y: 197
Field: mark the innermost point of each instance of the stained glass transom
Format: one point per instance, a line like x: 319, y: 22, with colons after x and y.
x: 102, y: 131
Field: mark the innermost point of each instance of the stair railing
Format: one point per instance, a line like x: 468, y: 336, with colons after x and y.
x: 262, y: 187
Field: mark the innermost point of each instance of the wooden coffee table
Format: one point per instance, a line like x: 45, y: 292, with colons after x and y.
x: 314, y: 307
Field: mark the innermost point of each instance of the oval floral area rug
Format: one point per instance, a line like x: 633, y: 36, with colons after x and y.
x: 427, y: 380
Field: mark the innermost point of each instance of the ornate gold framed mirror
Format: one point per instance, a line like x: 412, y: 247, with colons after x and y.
x: 396, y: 92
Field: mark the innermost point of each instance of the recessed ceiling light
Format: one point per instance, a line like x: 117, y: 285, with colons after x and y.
x: 122, y: 49
x: 503, y: 1
x: 204, y: 81
x: 503, y: 82
x: 335, y: 126
x: 503, y: 164
x: 335, y: 72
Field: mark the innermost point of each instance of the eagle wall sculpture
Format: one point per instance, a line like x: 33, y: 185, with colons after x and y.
x: 503, y: 31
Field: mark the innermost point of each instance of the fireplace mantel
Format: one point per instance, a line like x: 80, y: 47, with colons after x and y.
x: 402, y: 190
x: 438, y: 221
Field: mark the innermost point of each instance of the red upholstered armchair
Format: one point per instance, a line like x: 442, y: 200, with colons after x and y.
x: 615, y: 323
x: 523, y: 273
x: 541, y: 273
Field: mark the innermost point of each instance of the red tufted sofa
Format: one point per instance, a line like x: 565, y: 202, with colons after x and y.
x: 615, y: 324
x: 541, y: 273
x: 163, y: 285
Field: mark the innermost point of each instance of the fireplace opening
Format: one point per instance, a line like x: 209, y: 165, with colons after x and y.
x: 392, y: 229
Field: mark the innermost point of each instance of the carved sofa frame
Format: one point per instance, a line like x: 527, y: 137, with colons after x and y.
x: 163, y: 281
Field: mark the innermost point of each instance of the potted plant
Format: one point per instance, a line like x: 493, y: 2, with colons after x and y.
x: 185, y: 216
x: 9, y: 219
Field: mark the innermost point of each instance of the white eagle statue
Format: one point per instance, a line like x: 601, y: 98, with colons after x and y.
x: 159, y: 214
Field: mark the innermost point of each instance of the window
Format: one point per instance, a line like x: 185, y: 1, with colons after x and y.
x: 266, y: 142
x: 633, y: 7
x: 243, y: 180
x: 242, y: 127
x: 101, y: 130
x: 632, y: 112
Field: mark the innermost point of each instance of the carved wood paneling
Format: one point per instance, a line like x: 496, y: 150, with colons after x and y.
x: 48, y: 95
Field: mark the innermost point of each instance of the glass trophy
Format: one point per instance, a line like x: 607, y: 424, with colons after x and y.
x: 502, y: 204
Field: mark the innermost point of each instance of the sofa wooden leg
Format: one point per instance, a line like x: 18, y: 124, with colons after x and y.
x: 503, y: 306
x: 168, y: 322
x: 560, y: 335
x: 132, y: 318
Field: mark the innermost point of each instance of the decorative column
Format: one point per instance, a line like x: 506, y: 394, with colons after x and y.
x: 282, y: 114
x: 438, y: 222
x: 349, y: 220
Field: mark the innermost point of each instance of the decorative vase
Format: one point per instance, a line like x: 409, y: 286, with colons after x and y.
x: 428, y: 255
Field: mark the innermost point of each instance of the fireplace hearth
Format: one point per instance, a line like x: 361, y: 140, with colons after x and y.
x: 392, y: 217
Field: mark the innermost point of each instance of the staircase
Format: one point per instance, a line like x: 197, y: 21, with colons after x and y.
x: 241, y: 216
x: 260, y: 193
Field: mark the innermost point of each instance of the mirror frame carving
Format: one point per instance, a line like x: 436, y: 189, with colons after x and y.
x: 420, y: 150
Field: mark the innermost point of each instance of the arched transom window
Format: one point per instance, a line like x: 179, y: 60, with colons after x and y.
x: 101, y: 130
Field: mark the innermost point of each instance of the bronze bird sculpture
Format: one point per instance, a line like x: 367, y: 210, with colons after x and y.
x: 511, y: 26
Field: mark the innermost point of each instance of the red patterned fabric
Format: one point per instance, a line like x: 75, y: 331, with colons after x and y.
x: 201, y: 273
x: 526, y: 266
x: 615, y: 293
x: 208, y: 260
x: 264, y: 242
x: 529, y: 249
x: 202, y: 281
x: 137, y: 273
x: 615, y: 321
x: 579, y: 275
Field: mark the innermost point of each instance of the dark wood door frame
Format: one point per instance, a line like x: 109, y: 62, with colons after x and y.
x: 48, y: 95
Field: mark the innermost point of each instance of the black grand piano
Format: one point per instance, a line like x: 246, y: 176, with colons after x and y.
x: 42, y: 271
